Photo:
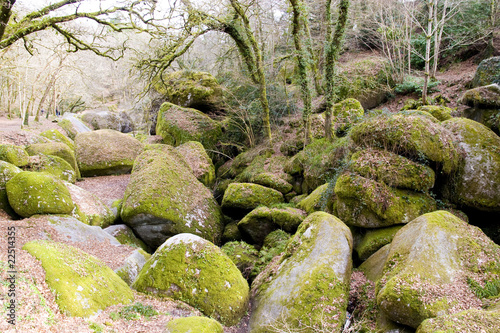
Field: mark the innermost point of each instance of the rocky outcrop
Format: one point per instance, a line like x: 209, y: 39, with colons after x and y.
x: 240, y: 198
x: 14, y: 155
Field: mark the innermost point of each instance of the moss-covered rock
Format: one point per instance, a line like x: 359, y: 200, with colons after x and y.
x: 83, y: 285
x: 14, y: 155
x: 487, y: 72
x: 7, y: 171
x: 243, y: 255
x: 373, y: 267
x: 240, y: 198
x: 72, y: 125
x: 319, y: 163
x: 374, y: 239
x: 53, y: 165
x: 430, y: 262
x: 189, y: 268
x: 55, y: 135
x: 194, y: 325
x: 488, y: 117
x: 261, y: 221
x: 106, y: 152
x: 125, y: 235
x: 198, y: 160
x: 72, y: 229
x: 468, y: 321
x: 308, y: 288
x: 33, y: 193
x: 177, y: 125
x: 59, y: 149
x: 345, y: 114
x: 231, y: 232
x: 267, y: 171
x: 392, y: 169
x: 89, y: 208
x: 163, y: 198
x: 476, y: 183
x: 321, y: 199
x: 415, y: 137
x: 102, y: 120
x: 482, y: 97
x: 274, y: 246
x: 440, y: 112
x: 198, y: 90
x: 132, y: 265
x: 366, y: 203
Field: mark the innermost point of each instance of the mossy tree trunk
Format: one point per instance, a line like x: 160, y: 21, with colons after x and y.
x: 332, y: 51
x: 299, y: 27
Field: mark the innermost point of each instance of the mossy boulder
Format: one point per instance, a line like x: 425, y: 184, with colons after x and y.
x: 307, y: 289
x: 198, y: 160
x: 366, y: 203
x: 106, y: 152
x: 440, y: 112
x: 240, y: 198
x: 345, y: 114
x: 373, y: 267
x: 476, y: 184
x: 89, y: 208
x: 59, y: 149
x: 319, y: 162
x: 72, y: 125
x: 132, y: 265
x: 430, y: 262
x: 231, y: 232
x: 53, y: 165
x: 83, y: 285
x: 374, y: 239
x: 102, y: 120
x: 7, y: 171
x: 468, y: 321
x: 392, y: 169
x: 321, y: 199
x: 274, y: 246
x: 14, y: 155
x: 261, y: 221
x: 415, y: 137
x: 267, y: 171
x: 33, y: 193
x: 198, y: 90
x: 194, y: 325
x: 189, y: 268
x: 177, y: 125
x: 486, y: 97
x: 55, y: 135
x: 163, y: 198
x: 487, y: 72
x: 243, y: 255
x: 125, y: 235
x: 488, y: 117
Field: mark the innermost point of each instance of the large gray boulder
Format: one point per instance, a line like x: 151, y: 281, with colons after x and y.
x: 433, y: 264
x: 307, y: 289
x: 106, y: 152
x: 192, y: 269
x: 487, y: 72
x: 164, y: 198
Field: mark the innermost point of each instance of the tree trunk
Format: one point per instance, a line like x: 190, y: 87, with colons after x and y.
x: 5, y: 12
x: 332, y: 51
x: 427, y: 58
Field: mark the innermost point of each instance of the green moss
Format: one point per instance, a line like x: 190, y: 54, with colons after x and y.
x: 68, y: 127
x: 243, y: 255
x: 469, y: 321
x: 194, y: 325
x: 482, y: 97
x: 57, y: 136
x: 366, y: 203
x: 321, y: 199
x: 33, y: 193
x: 441, y: 113
x: 415, y: 137
x: 7, y: 171
x: 14, y: 155
x: 345, y: 114
x: 163, y: 198
x: 53, y: 165
x: 487, y: 72
x: 197, y: 272
x: 177, y: 125
x: 106, y: 152
x: 56, y: 149
x: 125, y: 235
x: 392, y: 169
x: 198, y: 160
x: 83, y: 284
x: 231, y: 232
x: 375, y: 239
x: 243, y: 197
